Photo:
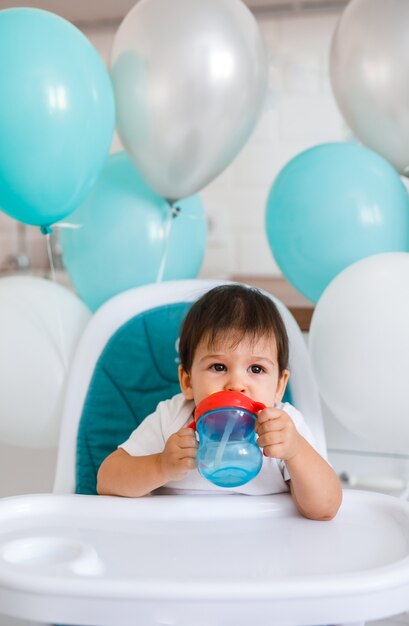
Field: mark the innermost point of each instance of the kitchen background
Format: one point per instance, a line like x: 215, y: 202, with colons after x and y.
x: 299, y: 112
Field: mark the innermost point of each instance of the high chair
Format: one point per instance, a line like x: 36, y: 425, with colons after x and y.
x: 222, y: 560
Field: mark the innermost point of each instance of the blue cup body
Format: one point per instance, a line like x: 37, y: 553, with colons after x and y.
x: 228, y: 454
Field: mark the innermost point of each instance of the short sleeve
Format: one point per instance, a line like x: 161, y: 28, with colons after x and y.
x: 152, y: 434
x: 147, y: 438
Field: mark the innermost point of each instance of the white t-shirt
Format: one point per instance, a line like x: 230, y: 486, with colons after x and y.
x: 171, y: 415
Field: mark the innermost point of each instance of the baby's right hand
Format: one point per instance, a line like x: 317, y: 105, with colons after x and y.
x: 179, y: 454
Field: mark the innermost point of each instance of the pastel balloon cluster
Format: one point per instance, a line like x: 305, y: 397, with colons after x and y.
x: 338, y: 225
x: 359, y: 334
x: 186, y: 95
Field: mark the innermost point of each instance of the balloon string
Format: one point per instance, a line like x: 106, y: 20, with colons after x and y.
x: 62, y: 353
x: 174, y: 211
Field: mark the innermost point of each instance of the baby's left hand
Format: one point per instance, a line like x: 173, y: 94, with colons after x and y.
x: 278, y: 436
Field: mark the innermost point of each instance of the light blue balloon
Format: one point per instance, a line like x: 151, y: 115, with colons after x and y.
x: 127, y: 236
x: 57, y: 116
x: 330, y: 206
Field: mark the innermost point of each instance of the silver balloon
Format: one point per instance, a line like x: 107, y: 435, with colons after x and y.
x: 369, y: 73
x: 190, y: 78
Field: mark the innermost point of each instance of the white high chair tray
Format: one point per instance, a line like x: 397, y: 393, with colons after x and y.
x: 203, y: 560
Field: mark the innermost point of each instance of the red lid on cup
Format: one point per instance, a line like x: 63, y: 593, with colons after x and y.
x: 227, y: 399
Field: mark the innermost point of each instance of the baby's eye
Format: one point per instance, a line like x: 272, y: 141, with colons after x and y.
x: 256, y: 369
x: 218, y: 367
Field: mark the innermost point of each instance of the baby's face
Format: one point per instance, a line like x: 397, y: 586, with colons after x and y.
x: 250, y: 367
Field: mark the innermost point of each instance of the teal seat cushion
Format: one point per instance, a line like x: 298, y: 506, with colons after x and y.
x: 136, y: 370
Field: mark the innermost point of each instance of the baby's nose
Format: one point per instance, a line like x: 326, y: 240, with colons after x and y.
x: 235, y: 385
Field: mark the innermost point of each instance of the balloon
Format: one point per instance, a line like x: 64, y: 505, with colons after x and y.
x: 127, y: 236
x: 369, y: 67
x: 56, y: 116
x: 40, y: 323
x: 331, y: 206
x: 359, y: 343
x: 189, y: 78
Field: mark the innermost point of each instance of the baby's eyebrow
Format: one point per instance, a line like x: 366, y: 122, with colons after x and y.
x: 221, y: 357
x: 212, y: 356
x: 262, y: 358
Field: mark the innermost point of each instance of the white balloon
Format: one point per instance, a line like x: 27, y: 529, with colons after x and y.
x: 359, y: 343
x: 40, y: 324
x: 189, y: 77
x: 369, y: 70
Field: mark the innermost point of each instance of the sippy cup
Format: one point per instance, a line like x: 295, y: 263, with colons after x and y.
x: 228, y: 453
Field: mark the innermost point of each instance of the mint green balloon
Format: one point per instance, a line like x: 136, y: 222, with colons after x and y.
x: 57, y: 116
x: 127, y: 237
x: 330, y: 206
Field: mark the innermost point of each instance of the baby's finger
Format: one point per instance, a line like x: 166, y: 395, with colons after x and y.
x: 270, y: 439
x: 276, y: 451
x: 270, y: 426
x: 187, y: 442
x: 187, y: 453
x: 269, y: 413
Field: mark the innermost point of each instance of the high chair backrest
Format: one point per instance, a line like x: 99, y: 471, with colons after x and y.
x: 126, y: 362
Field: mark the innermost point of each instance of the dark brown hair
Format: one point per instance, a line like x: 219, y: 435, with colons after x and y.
x: 235, y: 309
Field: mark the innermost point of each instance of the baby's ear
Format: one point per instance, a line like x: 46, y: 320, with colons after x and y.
x: 281, y: 386
x: 185, y: 383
